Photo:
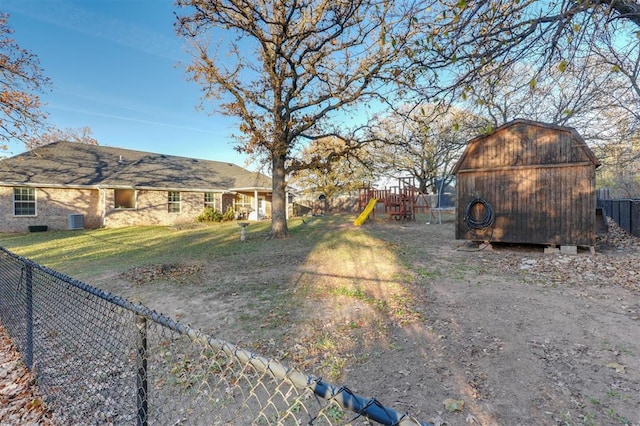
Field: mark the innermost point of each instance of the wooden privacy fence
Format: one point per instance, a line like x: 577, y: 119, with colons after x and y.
x: 625, y: 212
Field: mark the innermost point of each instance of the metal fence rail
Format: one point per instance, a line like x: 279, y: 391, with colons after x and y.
x: 99, y: 359
x: 626, y: 213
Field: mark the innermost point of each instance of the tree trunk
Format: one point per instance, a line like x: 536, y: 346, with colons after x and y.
x: 422, y: 185
x: 279, y: 227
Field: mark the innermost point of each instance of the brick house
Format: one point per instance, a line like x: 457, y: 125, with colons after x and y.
x: 67, y: 185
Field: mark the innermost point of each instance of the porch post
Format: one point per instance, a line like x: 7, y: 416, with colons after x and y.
x: 255, y: 197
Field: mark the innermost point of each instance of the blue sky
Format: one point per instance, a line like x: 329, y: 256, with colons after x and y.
x: 114, y: 65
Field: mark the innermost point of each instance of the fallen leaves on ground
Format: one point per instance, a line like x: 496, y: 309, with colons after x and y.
x: 20, y: 403
x: 615, y: 262
x: 150, y: 273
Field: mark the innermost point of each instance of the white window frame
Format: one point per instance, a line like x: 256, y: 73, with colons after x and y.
x: 216, y: 202
x: 16, y: 201
x: 243, y: 202
x: 171, y: 201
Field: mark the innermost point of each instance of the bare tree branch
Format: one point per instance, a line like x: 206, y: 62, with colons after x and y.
x: 21, y: 79
x: 473, y: 39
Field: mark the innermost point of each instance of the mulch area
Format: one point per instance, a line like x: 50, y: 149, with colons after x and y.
x: 19, y: 400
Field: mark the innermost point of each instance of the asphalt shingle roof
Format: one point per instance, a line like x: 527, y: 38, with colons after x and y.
x: 75, y: 164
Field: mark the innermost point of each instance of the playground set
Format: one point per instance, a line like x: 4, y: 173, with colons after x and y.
x: 401, y: 202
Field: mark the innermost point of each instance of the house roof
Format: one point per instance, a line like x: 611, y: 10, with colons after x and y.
x: 69, y: 164
x: 575, y: 137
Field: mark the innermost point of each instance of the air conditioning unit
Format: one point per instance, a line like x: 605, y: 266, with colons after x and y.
x: 76, y: 221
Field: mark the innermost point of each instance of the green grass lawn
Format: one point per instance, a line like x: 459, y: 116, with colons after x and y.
x: 82, y: 253
x: 87, y: 253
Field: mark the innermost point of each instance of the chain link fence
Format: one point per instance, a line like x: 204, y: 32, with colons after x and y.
x: 99, y: 359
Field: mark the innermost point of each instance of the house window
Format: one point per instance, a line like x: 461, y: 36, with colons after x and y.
x: 243, y: 204
x: 125, y: 198
x: 212, y: 200
x: 174, y: 202
x: 24, y: 201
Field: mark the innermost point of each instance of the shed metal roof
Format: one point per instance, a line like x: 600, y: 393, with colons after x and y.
x: 575, y: 136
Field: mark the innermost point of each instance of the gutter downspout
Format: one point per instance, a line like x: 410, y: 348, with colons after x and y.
x: 104, y: 207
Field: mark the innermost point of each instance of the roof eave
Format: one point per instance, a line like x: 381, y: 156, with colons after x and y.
x: 162, y: 188
x: 47, y: 185
x: 252, y: 188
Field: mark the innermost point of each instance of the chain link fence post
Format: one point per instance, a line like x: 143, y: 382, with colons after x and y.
x: 28, y: 277
x: 141, y: 365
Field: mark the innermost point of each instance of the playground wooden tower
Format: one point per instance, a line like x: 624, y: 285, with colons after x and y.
x: 401, y: 202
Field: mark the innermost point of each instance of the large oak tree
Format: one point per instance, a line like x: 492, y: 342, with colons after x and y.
x: 286, y: 68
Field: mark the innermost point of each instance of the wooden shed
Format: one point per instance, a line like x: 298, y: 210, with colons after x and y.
x: 527, y: 183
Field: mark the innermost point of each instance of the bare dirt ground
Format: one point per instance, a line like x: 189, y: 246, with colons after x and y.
x: 424, y: 323
x: 521, y: 337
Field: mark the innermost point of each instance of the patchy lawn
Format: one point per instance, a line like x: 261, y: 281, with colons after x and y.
x: 399, y: 311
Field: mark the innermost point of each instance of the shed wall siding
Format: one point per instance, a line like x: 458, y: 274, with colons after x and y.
x: 540, y: 182
x: 533, y: 205
x: 523, y: 145
x: 53, y: 207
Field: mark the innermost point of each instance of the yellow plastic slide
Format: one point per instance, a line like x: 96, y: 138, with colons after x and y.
x: 366, y: 212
